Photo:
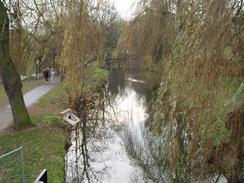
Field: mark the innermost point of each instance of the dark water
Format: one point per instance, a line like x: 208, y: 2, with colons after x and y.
x: 108, y: 159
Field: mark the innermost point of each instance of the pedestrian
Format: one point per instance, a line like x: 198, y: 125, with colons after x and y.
x: 46, y: 73
x: 52, y: 75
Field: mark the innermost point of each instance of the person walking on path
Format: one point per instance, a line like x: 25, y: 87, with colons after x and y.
x: 46, y: 73
x: 52, y: 75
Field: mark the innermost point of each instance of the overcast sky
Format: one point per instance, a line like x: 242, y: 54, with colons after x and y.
x: 124, y: 7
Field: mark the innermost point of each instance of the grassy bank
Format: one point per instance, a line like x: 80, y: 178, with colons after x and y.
x: 44, y: 144
x: 52, y: 103
x: 43, y: 149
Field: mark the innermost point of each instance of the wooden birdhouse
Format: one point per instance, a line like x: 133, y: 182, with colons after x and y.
x: 69, y: 117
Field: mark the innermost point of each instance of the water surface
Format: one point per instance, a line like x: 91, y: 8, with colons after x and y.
x: 109, y: 161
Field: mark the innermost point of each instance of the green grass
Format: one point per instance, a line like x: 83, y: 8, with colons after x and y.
x: 97, y: 77
x: 43, y: 149
x: 44, y: 145
x: 2, y: 93
x: 50, y: 120
x: 50, y: 96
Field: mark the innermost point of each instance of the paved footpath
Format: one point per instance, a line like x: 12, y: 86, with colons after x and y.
x: 6, y: 117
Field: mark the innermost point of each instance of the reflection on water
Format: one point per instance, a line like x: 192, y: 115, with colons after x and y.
x: 108, y: 161
x: 105, y: 153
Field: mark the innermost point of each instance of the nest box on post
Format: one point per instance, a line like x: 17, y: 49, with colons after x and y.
x: 70, y: 117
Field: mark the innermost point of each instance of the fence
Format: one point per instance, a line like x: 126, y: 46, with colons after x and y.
x: 12, y: 167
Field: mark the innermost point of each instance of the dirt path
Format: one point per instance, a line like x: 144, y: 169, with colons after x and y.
x: 6, y: 118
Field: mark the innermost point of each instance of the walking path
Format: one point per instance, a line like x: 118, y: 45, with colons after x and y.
x: 6, y: 118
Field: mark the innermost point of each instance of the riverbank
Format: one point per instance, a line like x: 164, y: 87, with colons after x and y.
x: 43, y: 149
x: 44, y: 144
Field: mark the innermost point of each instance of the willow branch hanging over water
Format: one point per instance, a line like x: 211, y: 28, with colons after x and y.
x: 83, y: 52
x: 197, y: 47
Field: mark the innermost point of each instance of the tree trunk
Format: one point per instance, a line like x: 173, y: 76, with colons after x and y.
x: 11, y: 79
x: 237, y: 128
x: 241, y: 154
x: 181, y: 152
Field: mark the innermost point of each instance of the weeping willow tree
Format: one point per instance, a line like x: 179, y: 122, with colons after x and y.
x: 202, y: 78
x: 83, y: 46
x: 83, y: 52
x: 148, y: 38
x: 198, y: 109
